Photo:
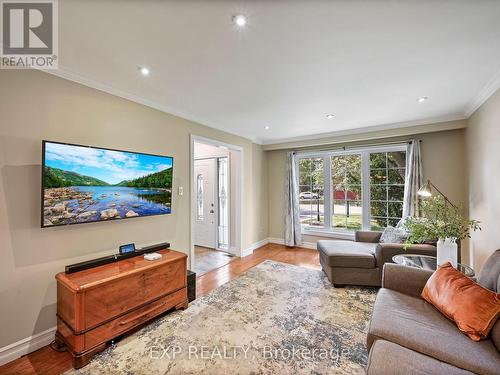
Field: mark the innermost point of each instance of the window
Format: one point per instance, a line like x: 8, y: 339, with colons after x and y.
x: 199, y: 197
x: 387, y: 187
x: 311, y: 188
x: 344, y: 191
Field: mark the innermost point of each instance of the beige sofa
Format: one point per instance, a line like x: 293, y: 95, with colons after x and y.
x: 360, y: 262
x: 407, y: 335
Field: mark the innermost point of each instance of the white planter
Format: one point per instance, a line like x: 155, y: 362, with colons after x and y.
x: 447, y: 251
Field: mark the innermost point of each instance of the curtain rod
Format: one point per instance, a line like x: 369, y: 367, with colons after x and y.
x: 345, y: 148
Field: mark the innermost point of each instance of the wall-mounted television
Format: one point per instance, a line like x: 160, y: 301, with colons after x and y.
x: 83, y: 184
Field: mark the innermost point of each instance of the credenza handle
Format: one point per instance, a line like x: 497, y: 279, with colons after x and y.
x: 124, y: 322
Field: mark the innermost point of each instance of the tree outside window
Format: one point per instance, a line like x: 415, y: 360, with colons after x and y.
x: 311, y: 192
x: 387, y: 186
x: 363, y: 190
x: 346, y: 185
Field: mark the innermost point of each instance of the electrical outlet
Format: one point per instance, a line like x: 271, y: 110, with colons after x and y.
x: 181, y: 190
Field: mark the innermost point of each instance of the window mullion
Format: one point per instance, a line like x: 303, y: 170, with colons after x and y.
x: 327, y: 193
x: 365, y: 190
x: 387, y: 189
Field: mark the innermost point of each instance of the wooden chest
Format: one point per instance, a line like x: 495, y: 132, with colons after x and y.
x: 96, y: 305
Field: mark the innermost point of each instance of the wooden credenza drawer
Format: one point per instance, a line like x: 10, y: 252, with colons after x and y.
x: 133, y: 319
x: 120, y: 296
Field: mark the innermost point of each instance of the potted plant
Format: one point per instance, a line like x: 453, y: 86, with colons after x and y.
x: 442, y: 222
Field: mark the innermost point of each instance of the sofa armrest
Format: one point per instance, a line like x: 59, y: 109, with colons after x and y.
x: 367, y: 236
x: 385, y: 251
x: 404, y: 279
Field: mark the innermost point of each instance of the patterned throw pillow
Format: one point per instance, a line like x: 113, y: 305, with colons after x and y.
x: 393, y: 235
x: 402, y: 222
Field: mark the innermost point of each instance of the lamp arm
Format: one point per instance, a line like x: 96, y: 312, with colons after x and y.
x: 444, y: 196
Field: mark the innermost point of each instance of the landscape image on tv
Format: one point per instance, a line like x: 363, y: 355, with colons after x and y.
x: 83, y: 184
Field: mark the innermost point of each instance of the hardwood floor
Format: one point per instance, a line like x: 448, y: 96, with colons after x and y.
x: 48, y: 361
x: 207, y: 259
x: 298, y: 256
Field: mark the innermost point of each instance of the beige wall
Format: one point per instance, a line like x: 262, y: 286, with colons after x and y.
x: 443, y: 157
x: 258, y: 228
x: 36, y: 106
x: 483, y: 151
x: 368, y: 135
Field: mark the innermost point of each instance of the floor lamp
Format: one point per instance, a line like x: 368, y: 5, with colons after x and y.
x: 446, y: 253
x: 426, y: 191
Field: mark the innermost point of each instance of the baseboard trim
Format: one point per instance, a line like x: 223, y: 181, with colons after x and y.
x: 281, y: 241
x: 276, y: 240
x: 249, y: 250
x: 25, y: 346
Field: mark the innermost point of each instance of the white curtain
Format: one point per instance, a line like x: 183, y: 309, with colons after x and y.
x: 414, y: 179
x: 293, y: 235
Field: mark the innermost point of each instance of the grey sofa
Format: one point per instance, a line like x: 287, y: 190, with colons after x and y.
x: 407, y: 335
x: 360, y: 262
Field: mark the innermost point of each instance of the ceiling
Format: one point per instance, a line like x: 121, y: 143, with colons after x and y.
x: 366, y: 62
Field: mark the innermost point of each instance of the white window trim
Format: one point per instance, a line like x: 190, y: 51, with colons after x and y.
x: 365, y: 152
x: 331, y: 233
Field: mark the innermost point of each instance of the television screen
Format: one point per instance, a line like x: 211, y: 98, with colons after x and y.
x: 82, y: 184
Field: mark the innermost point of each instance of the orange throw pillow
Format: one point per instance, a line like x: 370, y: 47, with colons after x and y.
x: 473, y: 308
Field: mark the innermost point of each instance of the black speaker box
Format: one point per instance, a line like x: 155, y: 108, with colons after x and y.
x: 114, y: 258
x: 191, y: 281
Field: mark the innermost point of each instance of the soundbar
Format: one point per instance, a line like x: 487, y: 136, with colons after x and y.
x: 114, y: 258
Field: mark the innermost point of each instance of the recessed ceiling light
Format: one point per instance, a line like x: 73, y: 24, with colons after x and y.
x: 240, y: 20
x: 267, y: 127
x: 329, y: 116
x: 422, y: 99
x: 144, y: 71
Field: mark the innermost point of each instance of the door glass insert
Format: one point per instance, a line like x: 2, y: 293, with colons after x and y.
x: 199, y: 197
x: 223, y: 211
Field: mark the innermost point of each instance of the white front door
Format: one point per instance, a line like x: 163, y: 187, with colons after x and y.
x: 205, y: 202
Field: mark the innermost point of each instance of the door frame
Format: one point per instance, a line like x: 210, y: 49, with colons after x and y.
x: 237, y: 248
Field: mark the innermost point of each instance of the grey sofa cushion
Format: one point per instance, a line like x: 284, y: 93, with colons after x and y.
x: 495, y: 335
x: 348, y: 253
x: 415, y: 324
x: 367, y: 236
x: 389, y: 358
x: 489, y: 277
x: 407, y: 280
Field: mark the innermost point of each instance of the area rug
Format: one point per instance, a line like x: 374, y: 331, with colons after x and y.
x: 274, y: 319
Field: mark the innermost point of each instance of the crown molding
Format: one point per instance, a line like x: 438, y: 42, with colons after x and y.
x: 434, y: 124
x: 487, y: 91
x: 74, y: 77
